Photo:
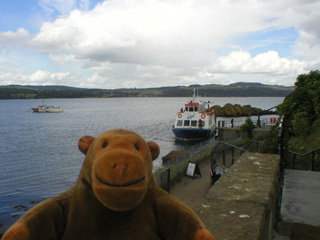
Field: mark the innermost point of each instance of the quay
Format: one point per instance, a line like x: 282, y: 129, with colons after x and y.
x: 253, y: 200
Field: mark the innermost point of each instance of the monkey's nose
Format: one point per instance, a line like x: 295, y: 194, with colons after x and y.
x: 120, y: 168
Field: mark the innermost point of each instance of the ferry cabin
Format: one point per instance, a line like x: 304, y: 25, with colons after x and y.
x: 194, y: 115
x: 194, y: 122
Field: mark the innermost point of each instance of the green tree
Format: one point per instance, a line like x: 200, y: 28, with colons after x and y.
x: 248, y: 127
x: 302, y: 107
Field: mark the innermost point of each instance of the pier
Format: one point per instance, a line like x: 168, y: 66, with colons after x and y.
x: 255, y: 199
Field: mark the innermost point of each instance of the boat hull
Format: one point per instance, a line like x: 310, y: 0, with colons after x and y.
x: 192, y: 134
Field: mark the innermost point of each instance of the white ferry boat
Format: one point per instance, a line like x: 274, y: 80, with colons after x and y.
x: 195, y: 121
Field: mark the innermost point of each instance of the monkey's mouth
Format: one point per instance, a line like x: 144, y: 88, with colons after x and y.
x: 120, y: 185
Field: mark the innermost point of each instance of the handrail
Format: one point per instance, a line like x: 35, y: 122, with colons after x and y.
x: 306, y: 154
x: 252, y: 142
x: 230, y: 145
x: 313, y: 152
x: 214, y: 164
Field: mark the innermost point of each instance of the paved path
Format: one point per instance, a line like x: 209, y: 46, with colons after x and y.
x: 301, y: 197
x: 192, y: 191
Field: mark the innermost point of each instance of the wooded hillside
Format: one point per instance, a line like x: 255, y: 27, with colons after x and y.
x: 232, y: 90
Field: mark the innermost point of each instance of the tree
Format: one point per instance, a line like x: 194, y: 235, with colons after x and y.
x: 248, y: 127
x: 302, y: 107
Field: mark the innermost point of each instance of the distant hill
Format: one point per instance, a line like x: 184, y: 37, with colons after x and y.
x: 213, y: 90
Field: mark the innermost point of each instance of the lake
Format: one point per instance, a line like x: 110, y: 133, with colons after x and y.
x: 39, y: 157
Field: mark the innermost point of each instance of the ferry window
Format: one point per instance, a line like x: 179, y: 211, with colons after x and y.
x: 187, y: 109
x: 190, y: 109
x: 186, y: 123
x: 195, y: 109
x: 179, y: 123
x: 194, y: 123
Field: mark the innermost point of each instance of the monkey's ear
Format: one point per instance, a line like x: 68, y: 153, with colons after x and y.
x: 154, y: 149
x: 84, y: 143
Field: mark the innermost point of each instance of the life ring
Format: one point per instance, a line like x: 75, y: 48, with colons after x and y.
x: 203, y: 116
x: 179, y: 115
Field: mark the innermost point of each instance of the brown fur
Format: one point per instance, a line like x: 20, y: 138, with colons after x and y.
x: 115, y: 198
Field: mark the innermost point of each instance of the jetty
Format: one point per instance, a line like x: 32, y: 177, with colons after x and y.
x: 256, y: 196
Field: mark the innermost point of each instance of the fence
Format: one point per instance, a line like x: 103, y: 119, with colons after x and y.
x: 293, y: 160
x: 308, y: 161
x: 238, y: 121
x: 253, y: 146
x: 224, y: 154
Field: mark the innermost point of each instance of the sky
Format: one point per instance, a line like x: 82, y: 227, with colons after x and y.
x: 153, y: 43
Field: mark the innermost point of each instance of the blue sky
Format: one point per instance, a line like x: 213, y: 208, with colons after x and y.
x: 153, y: 43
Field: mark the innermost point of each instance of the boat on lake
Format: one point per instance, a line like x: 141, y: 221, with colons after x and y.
x: 47, y: 109
x: 195, y: 121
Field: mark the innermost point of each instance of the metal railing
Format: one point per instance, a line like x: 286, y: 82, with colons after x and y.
x: 221, y: 123
x: 253, y: 146
x: 224, y: 154
x: 309, y: 161
x: 226, y: 149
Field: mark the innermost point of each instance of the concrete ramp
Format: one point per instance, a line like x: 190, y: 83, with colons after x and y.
x: 301, y: 197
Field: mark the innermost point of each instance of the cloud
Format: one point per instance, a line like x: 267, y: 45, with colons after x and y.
x: 171, y: 33
x: 150, y: 43
x: 269, y: 62
x: 269, y: 66
x: 40, y: 77
x: 13, y: 40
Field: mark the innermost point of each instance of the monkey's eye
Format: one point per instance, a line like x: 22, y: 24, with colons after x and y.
x: 105, y: 144
x: 137, y: 146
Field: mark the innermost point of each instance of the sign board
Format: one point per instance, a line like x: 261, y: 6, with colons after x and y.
x: 193, y: 168
x: 273, y: 120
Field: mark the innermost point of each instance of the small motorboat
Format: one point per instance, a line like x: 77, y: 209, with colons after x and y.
x: 47, y: 109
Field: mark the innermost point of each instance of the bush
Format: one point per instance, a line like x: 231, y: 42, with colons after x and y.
x: 270, y: 140
x: 301, y: 124
x: 248, y: 127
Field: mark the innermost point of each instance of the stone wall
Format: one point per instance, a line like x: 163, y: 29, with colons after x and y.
x: 178, y: 169
x: 242, y: 204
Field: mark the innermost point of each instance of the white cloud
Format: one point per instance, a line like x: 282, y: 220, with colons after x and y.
x: 151, y: 32
x: 13, y: 40
x: 39, y: 77
x: 269, y: 66
x: 269, y: 62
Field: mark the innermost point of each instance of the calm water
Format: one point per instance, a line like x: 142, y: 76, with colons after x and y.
x: 39, y: 157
